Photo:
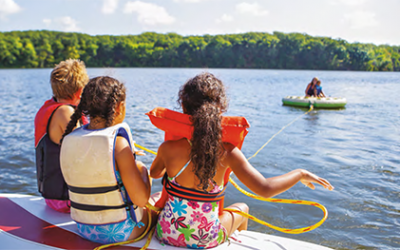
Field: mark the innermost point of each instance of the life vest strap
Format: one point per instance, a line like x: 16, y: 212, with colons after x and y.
x: 94, y: 208
x: 191, y: 194
x: 94, y: 190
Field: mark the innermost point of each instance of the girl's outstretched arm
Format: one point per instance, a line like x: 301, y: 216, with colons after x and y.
x: 136, y: 181
x: 269, y: 187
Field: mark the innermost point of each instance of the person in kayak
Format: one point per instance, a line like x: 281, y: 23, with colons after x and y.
x: 194, y: 172
x: 67, y: 81
x: 108, y: 188
x: 318, y: 88
x: 311, y: 90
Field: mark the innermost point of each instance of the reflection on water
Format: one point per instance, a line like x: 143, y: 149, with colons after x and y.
x: 357, y: 148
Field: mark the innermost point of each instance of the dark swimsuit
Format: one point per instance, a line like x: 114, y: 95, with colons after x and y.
x: 310, y: 91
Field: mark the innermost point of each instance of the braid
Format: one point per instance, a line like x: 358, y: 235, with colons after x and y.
x: 111, y: 102
x: 74, y: 119
x: 99, y: 100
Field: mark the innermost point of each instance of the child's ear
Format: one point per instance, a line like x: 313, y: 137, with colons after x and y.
x: 120, y: 107
x: 78, y: 93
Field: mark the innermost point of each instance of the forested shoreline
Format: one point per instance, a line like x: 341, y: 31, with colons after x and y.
x: 44, y: 49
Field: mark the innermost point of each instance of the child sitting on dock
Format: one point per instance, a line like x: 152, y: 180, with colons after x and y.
x: 67, y: 81
x: 318, y: 88
x: 195, y: 169
x: 108, y: 188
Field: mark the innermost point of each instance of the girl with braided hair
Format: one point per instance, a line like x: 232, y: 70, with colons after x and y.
x: 108, y: 188
x: 194, y: 172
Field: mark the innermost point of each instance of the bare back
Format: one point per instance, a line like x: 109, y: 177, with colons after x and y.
x: 173, y: 155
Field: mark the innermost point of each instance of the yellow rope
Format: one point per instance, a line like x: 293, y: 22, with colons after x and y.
x: 290, y: 123
x: 275, y: 200
x: 145, y: 149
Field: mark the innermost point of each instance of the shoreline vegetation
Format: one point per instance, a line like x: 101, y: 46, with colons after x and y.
x: 253, y: 50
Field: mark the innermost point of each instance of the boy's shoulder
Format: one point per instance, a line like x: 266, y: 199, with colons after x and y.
x: 46, y: 110
x: 63, y: 113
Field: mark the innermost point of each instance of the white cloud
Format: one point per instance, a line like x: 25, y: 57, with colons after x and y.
x: 251, y: 8
x: 149, y: 13
x: 47, y: 21
x: 109, y: 6
x: 68, y: 24
x: 224, y: 19
x: 8, y: 7
x: 348, y: 2
x: 189, y: 1
x: 361, y: 19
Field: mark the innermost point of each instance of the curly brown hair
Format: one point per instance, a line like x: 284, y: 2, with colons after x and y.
x: 203, y: 98
x: 67, y: 78
x: 99, y: 100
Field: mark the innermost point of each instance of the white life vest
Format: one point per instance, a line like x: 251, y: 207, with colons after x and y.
x: 88, y: 166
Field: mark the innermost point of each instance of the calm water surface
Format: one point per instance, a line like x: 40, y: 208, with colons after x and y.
x: 357, y: 149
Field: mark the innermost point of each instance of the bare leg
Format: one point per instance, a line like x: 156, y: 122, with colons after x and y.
x: 139, y: 231
x: 153, y: 199
x: 232, y: 221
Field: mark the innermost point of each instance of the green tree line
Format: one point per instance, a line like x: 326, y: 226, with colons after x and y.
x: 43, y: 49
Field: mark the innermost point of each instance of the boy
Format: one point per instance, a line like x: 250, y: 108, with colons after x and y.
x: 318, y: 88
x: 67, y: 81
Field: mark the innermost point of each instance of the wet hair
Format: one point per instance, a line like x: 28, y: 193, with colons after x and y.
x: 99, y: 100
x: 203, y: 98
x: 67, y: 78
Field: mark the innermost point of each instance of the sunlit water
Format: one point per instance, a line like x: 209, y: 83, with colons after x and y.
x: 356, y: 149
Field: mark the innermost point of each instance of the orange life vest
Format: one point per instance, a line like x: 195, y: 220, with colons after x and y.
x: 177, y: 125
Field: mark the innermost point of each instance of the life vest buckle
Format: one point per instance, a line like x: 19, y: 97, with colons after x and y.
x: 120, y: 185
x: 128, y: 205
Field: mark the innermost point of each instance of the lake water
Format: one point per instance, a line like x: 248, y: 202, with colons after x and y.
x: 357, y: 148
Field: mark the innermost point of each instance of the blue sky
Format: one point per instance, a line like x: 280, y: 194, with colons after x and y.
x: 366, y: 21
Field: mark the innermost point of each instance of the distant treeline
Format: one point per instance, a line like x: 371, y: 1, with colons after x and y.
x: 41, y: 49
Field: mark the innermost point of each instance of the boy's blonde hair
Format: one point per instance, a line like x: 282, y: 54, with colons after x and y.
x: 67, y: 78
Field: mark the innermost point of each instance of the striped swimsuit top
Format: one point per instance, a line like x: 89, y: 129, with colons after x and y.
x: 190, y: 217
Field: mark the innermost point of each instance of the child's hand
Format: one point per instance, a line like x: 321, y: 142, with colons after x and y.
x: 140, y: 152
x: 309, y: 178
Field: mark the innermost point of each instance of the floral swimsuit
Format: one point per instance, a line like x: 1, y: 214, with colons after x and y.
x: 190, y: 222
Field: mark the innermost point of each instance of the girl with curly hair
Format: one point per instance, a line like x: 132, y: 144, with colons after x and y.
x: 196, y: 168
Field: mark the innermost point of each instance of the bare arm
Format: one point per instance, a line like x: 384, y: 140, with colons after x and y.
x: 135, y: 179
x: 269, y: 187
x: 158, y: 168
x: 59, y: 122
